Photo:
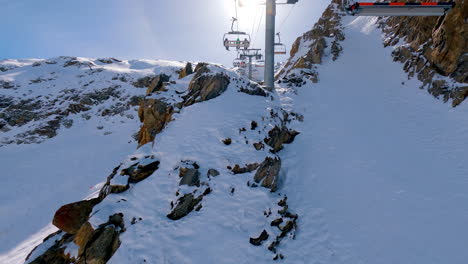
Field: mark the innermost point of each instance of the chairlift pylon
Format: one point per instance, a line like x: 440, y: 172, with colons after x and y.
x: 280, y: 48
x: 398, y: 8
x: 236, y: 39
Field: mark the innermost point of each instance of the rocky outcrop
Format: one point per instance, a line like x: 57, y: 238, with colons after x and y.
x: 184, y: 206
x: 154, y: 114
x: 138, y: 172
x: 101, y: 248
x: 279, y: 136
x: 187, y: 70
x: 55, y: 254
x: 247, y: 168
x: 94, y: 246
x: 205, y: 85
x: 268, y: 173
x: 189, y: 176
x: 157, y: 83
x: 309, y: 49
x: 71, y: 217
x: 258, y: 240
x: 434, y: 47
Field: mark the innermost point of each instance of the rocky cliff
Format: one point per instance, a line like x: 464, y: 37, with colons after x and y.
x: 431, y: 49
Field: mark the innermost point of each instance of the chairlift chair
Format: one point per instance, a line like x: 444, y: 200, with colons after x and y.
x: 236, y: 39
x: 280, y: 48
x: 398, y: 8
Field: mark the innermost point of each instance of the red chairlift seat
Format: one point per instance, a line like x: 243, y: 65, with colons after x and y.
x: 399, y: 9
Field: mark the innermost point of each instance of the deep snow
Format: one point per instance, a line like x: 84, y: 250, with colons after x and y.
x: 378, y: 174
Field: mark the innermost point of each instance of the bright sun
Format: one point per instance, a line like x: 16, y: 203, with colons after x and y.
x: 249, y: 13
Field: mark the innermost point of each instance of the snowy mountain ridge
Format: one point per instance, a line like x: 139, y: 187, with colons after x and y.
x: 376, y: 175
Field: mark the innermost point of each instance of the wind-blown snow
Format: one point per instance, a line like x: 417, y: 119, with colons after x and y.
x: 378, y: 174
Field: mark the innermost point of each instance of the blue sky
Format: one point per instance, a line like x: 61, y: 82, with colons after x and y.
x: 133, y: 29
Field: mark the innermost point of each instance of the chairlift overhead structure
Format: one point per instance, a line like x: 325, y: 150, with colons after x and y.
x: 236, y: 39
x: 398, y: 8
x: 250, y: 54
x: 280, y: 48
x: 239, y: 63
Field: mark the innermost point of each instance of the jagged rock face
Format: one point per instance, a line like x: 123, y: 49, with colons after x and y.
x: 279, y: 136
x: 55, y: 254
x: 435, y: 46
x: 83, y: 236
x: 71, y: 217
x: 157, y: 83
x: 139, y: 172
x: 101, y: 249
x: 309, y: 49
x: 268, y: 173
x: 189, y: 176
x: 187, y: 70
x: 205, y: 86
x: 154, y: 114
x: 184, y: 206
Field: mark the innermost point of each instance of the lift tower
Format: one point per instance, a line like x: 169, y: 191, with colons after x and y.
x: 270, y: 42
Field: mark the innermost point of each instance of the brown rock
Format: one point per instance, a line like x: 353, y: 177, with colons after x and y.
x: 155, y: 115
x: 227, y: 141
x: 138, y: 172
x: 268, y: 173
x: 189, y: 176
x: 248, y: 168
x: 157, y: 83
x: 71, y: 217
x: 212, y: 173
x: 187, y: 70
x: 84, y: 234
x: 258, y: 241
x: 205, y: 86
x: 185, y: 205
x: 105, y: 242
x: 279, y: 136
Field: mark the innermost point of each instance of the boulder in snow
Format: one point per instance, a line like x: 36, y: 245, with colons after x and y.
x: 268, y: 173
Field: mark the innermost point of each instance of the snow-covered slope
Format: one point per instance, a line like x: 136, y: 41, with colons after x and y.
x: 95, y: 104
x: 379, y: 172
x: 377, y: 175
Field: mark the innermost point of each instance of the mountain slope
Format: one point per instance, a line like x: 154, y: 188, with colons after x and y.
x: 376, y: 173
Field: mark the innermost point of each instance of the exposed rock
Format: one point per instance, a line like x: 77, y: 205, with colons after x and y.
x: 185, y: 205
x: 435, y: 46
x: 139, y: 172
x: 248, y: 168
x: 71, y: 217
x: 154, y: 114
x: 227, y: 141
x: 205, y: 85
x: 212, y: 173
x: 258, y: 145
x: 189, y: 176
x: 187, y: 70
x: 279, y: 136
x: 55, y: 254
x: 258, y: 241
x: 104, y: 243
x: 276, y: 222
x: 84, y: 234
x: 268, y: 173
x: 109, y: 60
x: 253, y: 125
x: 328, y: 26
x: 254, y: 89
x: 157, y: 83
x: 118, y: 188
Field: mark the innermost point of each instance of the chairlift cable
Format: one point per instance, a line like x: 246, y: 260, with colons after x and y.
x: 286, y: 18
